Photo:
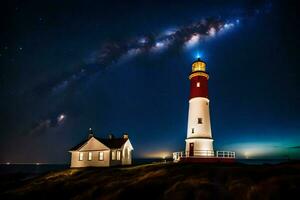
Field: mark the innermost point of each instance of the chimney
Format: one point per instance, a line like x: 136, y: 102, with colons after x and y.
x: 110, y: 136
x: 91, y: 134
x: 125, y: 135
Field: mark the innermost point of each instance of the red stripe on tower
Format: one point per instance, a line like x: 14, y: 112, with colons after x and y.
x: 198, y: 80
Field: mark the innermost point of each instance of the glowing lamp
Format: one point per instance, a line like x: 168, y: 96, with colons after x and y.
x: 198, y: 65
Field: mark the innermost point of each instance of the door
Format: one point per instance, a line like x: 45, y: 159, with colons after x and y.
x: 191, y: 152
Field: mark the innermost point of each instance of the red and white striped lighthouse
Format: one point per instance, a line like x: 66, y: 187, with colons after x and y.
x: 199, y: 140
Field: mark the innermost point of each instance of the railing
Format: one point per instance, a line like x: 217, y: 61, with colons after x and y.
x: 203, y: 154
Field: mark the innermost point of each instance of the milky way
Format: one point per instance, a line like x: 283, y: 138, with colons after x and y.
x: 111, y: 53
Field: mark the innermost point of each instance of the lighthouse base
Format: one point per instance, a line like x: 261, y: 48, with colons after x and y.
x: 199, y: 147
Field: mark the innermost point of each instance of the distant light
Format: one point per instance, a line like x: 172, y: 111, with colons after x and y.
x: 237, y: 21
x: 158, y: 154
x: 251, y: 150
x: 61, y: 117
x: 8, y: 163
x: 246, y: 154
x: 164, y: 155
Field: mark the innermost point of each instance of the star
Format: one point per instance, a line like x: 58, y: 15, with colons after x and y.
x: 41, y: 20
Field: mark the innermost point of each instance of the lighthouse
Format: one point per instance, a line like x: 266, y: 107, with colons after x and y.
x: 199, y: 140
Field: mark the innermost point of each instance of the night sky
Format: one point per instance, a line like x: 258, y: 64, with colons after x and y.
x: 123, y: 67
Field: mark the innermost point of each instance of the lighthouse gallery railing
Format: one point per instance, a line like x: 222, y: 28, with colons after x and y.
x: 204, y: 154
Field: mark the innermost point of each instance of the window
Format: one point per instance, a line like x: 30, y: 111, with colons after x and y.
x: 199, y: 120
x: 192, y: 130
x: 113, y: 155
x: 81, y: 156
x: 90, y: 155
x: 198, y: 84
x: 118, y: 155
x: 101, y: 155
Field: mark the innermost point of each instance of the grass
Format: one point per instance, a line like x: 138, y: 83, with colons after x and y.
x: 162, y: 181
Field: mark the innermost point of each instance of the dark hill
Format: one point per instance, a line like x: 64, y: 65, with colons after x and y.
x: 163, y: 181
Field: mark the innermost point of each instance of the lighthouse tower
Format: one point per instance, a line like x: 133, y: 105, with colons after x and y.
x: 199, y: 140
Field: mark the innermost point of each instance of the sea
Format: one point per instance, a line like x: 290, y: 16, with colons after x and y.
x: 40, y: 168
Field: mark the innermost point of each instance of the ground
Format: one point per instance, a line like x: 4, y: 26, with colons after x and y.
x: 161, y: 181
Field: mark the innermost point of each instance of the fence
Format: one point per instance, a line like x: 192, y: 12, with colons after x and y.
x: 204, y: 154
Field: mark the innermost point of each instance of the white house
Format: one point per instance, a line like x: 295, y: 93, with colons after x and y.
x: 102, y: 152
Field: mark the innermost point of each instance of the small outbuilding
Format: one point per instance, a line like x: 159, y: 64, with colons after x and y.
x: 102, y: 152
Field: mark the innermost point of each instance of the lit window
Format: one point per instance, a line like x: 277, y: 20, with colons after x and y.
x: 118, y: 155
x: 113, y: 155
x: 192, y: 130
x: 198, y: 84
x: 101, y: 155
x: 199, y: 120
x: 90, y: 155
x: 80, y: 156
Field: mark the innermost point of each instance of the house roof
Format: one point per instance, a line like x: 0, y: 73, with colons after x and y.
x: 113, y: 143
x: 79, y: 145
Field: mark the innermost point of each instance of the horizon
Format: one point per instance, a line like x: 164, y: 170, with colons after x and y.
x: 161, y: 159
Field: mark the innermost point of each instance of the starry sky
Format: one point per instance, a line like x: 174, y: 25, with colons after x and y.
x: 123, y: 66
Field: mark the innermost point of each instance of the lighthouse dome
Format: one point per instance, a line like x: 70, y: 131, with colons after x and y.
x: 198, y: 65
